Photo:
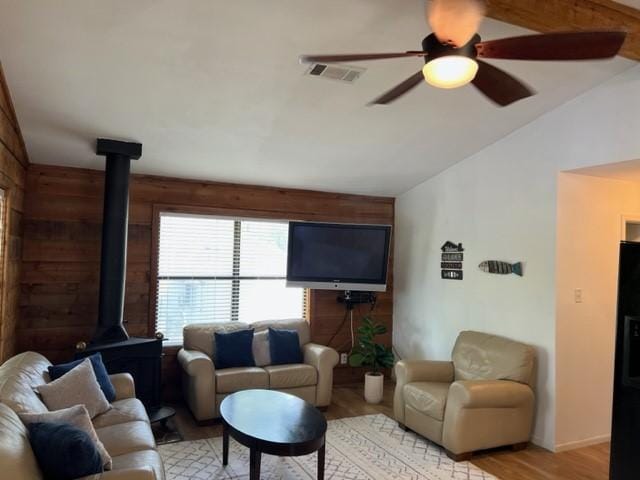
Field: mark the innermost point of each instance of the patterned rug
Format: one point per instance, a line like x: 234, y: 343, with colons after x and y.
x: 370, y: 447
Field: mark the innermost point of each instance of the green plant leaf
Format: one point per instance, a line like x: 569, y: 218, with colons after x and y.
x: 356, y: 360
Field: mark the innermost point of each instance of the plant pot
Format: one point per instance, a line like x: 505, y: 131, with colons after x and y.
x: 373, y: 387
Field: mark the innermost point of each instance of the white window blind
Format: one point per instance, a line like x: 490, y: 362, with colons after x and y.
x: 213, y: 269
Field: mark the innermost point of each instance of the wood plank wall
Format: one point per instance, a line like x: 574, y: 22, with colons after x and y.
x: 13, y: 167
x: 563, y: 15
x: 63, y: 211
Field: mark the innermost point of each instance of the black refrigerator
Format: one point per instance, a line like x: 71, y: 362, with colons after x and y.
x: 625, y: 431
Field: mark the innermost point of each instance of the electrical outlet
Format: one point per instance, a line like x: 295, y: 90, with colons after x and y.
x: 343, y: 358
x: 577, y: 295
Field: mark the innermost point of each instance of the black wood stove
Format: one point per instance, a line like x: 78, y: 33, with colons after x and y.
x: 141, y: 357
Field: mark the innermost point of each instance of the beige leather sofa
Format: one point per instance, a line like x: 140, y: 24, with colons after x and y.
x: 482, y: 399
x: 205, y: 387
x: 124, y: 430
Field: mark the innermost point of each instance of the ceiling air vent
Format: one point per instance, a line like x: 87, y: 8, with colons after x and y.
x: 342, y: 73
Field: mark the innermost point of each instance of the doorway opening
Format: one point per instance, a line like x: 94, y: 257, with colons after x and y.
x: 630, y: 228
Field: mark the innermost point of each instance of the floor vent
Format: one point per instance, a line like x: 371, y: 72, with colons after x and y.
x: 342, y: 73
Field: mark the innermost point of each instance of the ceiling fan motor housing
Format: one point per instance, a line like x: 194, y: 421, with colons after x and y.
x: 436, y: 49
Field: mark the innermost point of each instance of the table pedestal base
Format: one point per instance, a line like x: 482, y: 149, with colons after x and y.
x: 255, y: 456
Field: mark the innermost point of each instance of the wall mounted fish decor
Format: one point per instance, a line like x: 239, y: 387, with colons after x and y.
x: 501, y: 268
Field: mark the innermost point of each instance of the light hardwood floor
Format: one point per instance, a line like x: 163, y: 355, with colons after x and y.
x: 534, y: 463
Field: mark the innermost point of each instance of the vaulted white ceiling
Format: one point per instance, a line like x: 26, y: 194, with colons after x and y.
x: 214, y: 91
x: 630, y: 3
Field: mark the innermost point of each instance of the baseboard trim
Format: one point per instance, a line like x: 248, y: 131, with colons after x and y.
x: 563, y: 447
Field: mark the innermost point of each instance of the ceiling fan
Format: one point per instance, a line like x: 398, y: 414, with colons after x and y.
x: 453, y: 53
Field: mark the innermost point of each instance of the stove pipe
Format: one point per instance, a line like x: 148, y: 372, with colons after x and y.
x: 113, y: 257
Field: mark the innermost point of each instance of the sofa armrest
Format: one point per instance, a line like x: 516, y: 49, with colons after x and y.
x: 198, y: 383
x: 139, y: 473
x: 195, y: 363
x: 323, y: 358
x: 124, y: 385
x: 475, y: 407
x: 489, y: 394
x: 408, y: 371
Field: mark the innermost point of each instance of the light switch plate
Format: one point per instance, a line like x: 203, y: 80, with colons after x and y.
x: 343, y: 358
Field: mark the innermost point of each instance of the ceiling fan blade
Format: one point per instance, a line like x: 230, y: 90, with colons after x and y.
x: 455, y: 21
x: 555, y: 46
x: 357, y: 57
x: 399, y: 90
x: 500, y: 86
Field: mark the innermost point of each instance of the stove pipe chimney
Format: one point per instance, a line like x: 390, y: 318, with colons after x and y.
x: 113, y: 258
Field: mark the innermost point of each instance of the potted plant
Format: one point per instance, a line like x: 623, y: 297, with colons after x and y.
x: 367, y: 353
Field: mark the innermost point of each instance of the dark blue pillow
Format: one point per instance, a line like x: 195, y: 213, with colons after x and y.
x: 56, y: 371
x: 284, y: 346
x: 63, y: 452
x: 234, y: 349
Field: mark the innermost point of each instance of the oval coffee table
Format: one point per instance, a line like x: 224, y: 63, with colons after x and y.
x: 274, y: 423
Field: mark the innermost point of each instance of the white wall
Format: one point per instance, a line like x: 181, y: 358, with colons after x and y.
x: 501, y: 203
x: 590, y: 211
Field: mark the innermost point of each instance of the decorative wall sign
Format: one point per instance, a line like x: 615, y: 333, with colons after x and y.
x: 452, y: 247
x: 451, y: 263
x: 501, y: 268
x: 452, y: 274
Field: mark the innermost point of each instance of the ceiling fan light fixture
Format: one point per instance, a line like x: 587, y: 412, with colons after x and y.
x: 450, y: 71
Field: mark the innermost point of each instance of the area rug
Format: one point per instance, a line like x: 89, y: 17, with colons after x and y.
x: 370, y: 447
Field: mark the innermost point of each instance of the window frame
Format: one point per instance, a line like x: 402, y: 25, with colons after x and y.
x: 225, y: 213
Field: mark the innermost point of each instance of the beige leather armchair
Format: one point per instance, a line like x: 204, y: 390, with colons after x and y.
x: 482, y: 399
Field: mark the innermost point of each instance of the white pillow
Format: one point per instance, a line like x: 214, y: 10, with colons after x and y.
x: 260, y: 347
x: 76, y: 416
x: 76, y: 387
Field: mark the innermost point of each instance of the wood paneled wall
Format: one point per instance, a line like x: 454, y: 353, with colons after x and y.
x: 63, y: 211
x: 13, y: 167
x: 562, y: 15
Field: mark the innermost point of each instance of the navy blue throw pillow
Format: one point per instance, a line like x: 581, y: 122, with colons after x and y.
x: 63, y: 451
x: 234, y: 349
x: 284, y: 346
x: 56, y: 371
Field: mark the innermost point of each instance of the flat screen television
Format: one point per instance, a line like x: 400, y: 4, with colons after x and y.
x: 338, y: 256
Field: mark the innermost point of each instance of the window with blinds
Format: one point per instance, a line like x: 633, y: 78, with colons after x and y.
x: 215, y: 269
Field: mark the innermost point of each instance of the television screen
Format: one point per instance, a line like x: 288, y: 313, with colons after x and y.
x: 338, y: 256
